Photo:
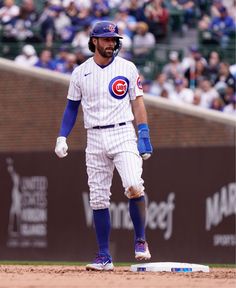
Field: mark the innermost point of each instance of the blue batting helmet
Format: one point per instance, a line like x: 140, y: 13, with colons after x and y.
x: 105, y: 29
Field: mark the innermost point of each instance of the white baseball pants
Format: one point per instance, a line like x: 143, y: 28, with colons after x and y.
x: 107, y: 149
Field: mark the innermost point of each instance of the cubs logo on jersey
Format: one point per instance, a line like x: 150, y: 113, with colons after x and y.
x: 118, y: 87
x: 139, y: 83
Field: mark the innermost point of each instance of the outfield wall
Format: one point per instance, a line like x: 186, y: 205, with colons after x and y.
x: 190, y: 179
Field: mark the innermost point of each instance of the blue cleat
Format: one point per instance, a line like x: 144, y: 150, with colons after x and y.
x: 101, y: 263
x: 141, y: 250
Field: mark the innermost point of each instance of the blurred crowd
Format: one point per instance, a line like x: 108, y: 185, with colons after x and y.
x: 207, y: 82
x: 218, y: 26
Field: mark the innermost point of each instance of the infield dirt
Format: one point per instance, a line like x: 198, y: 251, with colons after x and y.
x: 27, y: 276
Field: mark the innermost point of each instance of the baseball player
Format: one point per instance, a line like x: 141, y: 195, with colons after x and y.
x: 110, y: 92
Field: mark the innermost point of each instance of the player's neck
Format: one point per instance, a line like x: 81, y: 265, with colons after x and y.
x: 101, y: 61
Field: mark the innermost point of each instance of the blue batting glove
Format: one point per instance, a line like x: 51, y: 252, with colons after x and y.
x: 144, y: 142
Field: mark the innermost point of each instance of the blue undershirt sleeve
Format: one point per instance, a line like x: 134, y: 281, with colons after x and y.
x: 69, y: 117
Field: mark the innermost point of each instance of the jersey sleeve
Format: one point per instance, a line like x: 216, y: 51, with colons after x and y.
x: 74, y: 92
x: 135, y: 88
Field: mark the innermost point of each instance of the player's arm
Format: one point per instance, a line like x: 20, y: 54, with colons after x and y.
x: 68, y: 122
x: 139, y: 110
x: 140, y: 116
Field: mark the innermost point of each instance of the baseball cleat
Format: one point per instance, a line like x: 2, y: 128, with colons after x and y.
x: 101, y: 263
x: 141, y: 250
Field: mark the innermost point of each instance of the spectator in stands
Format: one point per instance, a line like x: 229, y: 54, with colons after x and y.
x: 8, y: 14
x: 215, y: 7
x: 194, y: 55
x: 70, y: 63
x: 55, y: 24
x: 126, y: 42
x: 64, y: 31
x: 213, y: 65
x: 232, y: 70
x: 70, y: 9
x: 203, y: 25
x: 173, y: 69
x: 100, y: 9
x: 25, y: 23
x: 28, y: 57
x: 46, y: 23
x: 80, y: 58
x: 229, y: 93
x: 197, y: 97
x: 143, y: 41
x: 160, y: 86
x: 157, y: 18
x: 146, y: 84
x: 188, y: 8
x: 80, y: 13
x: 122, y: 16
x: 208, y: 93
x: 181, y: 93
x: 231, y: 107
x: 61, y: 59
x: 224, y: 79
x: 136, y: 9
x: 114, y: 4
x: 45, y: 60
x: 80, y: 41
x: 196, y: 73
x: 222, y: 27
x: 232, y: 9
x: 217, y: 104
x: 80, y: 4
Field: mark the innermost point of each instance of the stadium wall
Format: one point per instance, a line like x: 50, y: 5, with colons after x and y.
x: 190, y: 179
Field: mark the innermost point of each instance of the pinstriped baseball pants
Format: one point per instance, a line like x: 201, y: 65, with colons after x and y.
x: 108, y: 149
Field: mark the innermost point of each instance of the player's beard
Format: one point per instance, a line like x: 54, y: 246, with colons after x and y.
x: 105, y: 52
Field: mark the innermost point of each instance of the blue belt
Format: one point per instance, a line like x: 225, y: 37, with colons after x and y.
x: 109, y: 126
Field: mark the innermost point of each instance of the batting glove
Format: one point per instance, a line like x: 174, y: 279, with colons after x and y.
x: 61, y: 147
x: 144, y: 143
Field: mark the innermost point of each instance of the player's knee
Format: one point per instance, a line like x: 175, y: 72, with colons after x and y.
x: 134, y: 191
x: 95, y: 205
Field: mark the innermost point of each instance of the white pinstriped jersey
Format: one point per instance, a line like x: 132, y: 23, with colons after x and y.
x: 105, y: 93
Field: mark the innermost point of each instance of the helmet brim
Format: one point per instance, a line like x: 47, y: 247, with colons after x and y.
x: 107, y: 35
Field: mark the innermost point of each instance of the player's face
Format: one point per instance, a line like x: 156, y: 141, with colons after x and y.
x: 106, y: 46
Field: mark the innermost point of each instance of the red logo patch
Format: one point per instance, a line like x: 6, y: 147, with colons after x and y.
x: 118, y: 87
x: 111, y: 28
x: 139, y: 83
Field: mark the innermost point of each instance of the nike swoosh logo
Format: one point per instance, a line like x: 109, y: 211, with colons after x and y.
x: 86, y: 74
x: 104, y: 263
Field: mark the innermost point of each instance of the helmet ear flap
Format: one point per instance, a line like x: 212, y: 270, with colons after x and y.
x: 118, y: 46
x: 91, y: 46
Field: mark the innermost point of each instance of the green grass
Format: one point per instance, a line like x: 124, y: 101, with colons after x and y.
x: 69, y: 263
x: 63, y: 263
x: 222, y: 265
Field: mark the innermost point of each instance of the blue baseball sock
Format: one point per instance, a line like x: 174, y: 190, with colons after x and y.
x: 102, y: 224
x: 137, y: 212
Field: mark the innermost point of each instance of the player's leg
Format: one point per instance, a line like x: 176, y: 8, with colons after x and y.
x: 100, y: 170
x: 129, y: 166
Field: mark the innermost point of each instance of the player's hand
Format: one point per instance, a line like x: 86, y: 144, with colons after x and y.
x: 144, y: 142
x: 61, y: 147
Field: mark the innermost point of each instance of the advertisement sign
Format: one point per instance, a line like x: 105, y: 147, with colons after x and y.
x: 190, y: 196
